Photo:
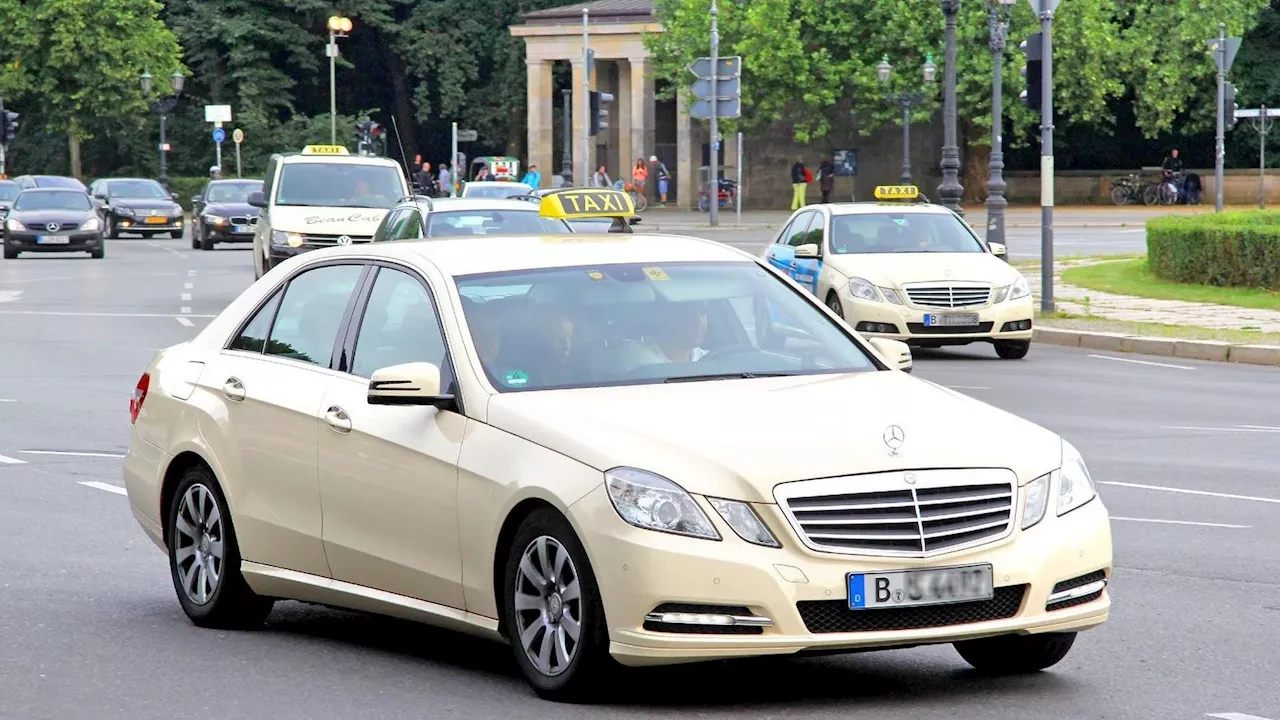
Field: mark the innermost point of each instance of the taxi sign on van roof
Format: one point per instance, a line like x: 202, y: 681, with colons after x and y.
x: 578, y: 203
x: 324, y: 150
x: 897, y: 192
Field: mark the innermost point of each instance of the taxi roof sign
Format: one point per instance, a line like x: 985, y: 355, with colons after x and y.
x: 579, y: 203
x: 897, y: 192
x: 325, y: 150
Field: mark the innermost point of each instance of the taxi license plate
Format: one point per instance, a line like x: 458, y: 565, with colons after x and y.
x: 156, y: 220
x: 951, y: 320
x: 53, y: 240
x: 907, y: 588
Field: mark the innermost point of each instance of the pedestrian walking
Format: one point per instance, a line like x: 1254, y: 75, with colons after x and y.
x: 445, y: 180
x: 826, y: 179
x: 800, y: 178
x: 532, y: 177
x: 664, y: 180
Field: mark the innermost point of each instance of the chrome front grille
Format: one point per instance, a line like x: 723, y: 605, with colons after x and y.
x: 244, y: 220
x: 328, y: 240
x: 911, y: 514
x: 946, y: 295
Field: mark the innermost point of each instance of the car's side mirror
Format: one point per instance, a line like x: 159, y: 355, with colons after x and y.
x: 257, y: 199
x: 195, y: 199
x: 415, y: 383
x: 897, y: 353
x: 174, y: 196
x: 999, y: 250
x: 810, y: 250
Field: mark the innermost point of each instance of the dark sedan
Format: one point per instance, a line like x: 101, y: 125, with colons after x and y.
x: 53, y: 220
x: 138, y: 206
x: 8, y: 191
x: 31, y: 182
x: 222, y: 213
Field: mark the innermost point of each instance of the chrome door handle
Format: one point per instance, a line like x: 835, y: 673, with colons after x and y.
x: 233, y: 389
x: 338, y: 419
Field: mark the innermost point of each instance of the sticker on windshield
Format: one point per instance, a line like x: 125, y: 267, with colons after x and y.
x: 516, y: 378
x: 901, y: 221
x: 656, y: 273
x: 595, y: 274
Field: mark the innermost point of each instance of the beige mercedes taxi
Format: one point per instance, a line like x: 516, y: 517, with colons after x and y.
x: 581, y: 445
x: 904, y: 269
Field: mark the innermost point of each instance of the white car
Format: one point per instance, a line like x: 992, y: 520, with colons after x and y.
x: 494, y: 189
x: 912, y: 271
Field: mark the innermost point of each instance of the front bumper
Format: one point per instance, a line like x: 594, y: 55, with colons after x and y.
x: 804, y: 594
x: 30, y: 242
x: 226, y: 233
x: 1008, y: 320
x: 139, y: 224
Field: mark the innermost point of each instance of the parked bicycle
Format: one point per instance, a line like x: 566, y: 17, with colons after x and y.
x: 1127, y: 189
x: 727, y: 195
x: 637, y: 197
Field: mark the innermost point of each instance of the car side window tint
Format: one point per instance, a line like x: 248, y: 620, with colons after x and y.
x: 817, y: 230
x: 311, y: 312
x: 399, y: 326
x: 387, y: 228
x: 254, y: 336
x: 798, y: 232
x: 409, y: 226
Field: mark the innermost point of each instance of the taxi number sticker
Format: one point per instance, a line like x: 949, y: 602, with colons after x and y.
x: 516, y: 378
x: 595, y: 275
x: 656, y: 273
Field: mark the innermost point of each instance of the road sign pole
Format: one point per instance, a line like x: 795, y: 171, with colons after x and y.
x: 238, y: 160
x: 738, y: 195
x: 713, y: 189
x: 454, y: 177
x: 1263, y: 128
x: 1220, y: 55
x: 586, y: 102
x: 1046, y: 157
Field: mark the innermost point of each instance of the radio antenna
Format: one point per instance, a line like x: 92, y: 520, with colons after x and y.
x: 403, y: 158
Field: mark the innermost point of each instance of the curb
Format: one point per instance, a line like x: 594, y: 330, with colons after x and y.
x: 1212, y: 350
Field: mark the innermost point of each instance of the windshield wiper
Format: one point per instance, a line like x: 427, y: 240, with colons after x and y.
x: 727, y: 376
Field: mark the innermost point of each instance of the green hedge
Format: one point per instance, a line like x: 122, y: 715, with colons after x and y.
x: 1230, y: 249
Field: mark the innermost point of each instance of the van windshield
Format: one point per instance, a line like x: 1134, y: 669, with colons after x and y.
x: 314, y: 184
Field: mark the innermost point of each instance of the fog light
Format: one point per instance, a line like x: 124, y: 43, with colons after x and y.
x: 707, y: 619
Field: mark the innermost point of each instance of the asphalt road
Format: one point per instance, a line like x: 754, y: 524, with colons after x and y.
x: 89, y: 627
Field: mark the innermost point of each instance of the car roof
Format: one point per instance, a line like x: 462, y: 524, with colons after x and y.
x: 497, y: 182
x: 295, y: 158
x: 233, y: 181
x: 459, y: 256
x: 130, y: 179
x: 871, y: 208
x: 78, y: 191
x: 474, y: 203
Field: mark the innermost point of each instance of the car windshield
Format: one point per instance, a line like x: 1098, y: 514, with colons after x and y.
x: 314, y: 184
x: 137, y: 189
x: 463, y: 223
x: 646, y: 323
x: 504, y: 190
x: 897, y: 232
x: 232, y: 192
x: 55, y: 200
x: 9, y: 190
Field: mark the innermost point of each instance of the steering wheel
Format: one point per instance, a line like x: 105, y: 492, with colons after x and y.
x: 728, y: 350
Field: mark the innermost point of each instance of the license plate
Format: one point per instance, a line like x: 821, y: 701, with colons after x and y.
x: 156, y: 220
x: 241, y: 229
x: 53, y: 240
x: 951, y: 320
x: 906, y: 588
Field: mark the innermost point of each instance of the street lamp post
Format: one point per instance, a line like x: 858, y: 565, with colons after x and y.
x: 906, y: 100
x: 951, y: 190
x: 566, y: 158
x: 163, y: 107
x: 338, y: 28
x: 999, y: 13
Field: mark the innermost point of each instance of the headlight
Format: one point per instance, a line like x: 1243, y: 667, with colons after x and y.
x: 126, y: 212
x: 93, y: 224
x: 653, y: 502
x: 215, y: 220
x: 860, y: 288
x: 1037, y: 501
x: 1075, y: 486
x: 1019, y: 289
x: 280, y: 237
x: 745, y: 522
x: 14, y: 226
x: 891, y: 295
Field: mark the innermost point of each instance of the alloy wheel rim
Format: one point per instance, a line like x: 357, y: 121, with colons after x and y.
x: 199, y: 549
x: 834, y: 304
x: 548, y: 605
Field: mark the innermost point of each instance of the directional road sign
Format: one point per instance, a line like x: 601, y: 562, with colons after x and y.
x: 726, y: 67
x: 468, y: 135
x: 219, y: 135
x: 725, y: 89
x: 237, y: 135
x: 728, y: 108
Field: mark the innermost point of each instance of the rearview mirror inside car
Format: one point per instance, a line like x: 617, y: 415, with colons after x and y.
x: 257, y: 199
x: 897, y: 353
x: 415, y: 383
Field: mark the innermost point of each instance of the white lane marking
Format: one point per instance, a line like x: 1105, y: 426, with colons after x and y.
x: 1179, y: 522
x: 1242, y: 428
x: 104, y: 486
x: 92, y: 314
x: 7, y: 296
x: 1185, y: 491
x: 968, y: 387
x: 1235, y: 716
x: 186, y: 310
x: 184, y: 322
x: 1142, y: 362
x: 191, y: 273
x: 186, y: 297
x: 187, y: 286
x: 6, y: 460
x: 1260, y: 427
x: 70, y: 453
x: 7, y: 400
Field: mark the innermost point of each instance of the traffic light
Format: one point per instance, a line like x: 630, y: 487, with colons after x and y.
x: 9, y: 125
x: 376, y: 139
x: 1033, y: 48
x: 1229, y: 106
x: 364, y: 136
x: 599, y: 115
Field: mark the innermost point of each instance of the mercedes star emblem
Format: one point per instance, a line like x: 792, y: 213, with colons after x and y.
x: 909, y: 478
x: 894, y: 437
x: 344, y: 240
x: 51, y: 227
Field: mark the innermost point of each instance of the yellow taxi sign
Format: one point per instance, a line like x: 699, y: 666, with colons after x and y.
x: 324, y: 150
x: 897, y: 192
x: 577, y: 203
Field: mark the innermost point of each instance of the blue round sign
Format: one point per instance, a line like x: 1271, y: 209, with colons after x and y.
x: 219, y: 135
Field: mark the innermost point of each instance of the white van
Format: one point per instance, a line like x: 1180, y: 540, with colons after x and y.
x: 321, y: 197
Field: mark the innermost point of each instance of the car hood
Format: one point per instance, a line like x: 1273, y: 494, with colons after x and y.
x: 893, y: 269
x: 34, y: 219
x: 145, y: 204
x: 327, y: 221
x: 739, y: 438
x: 231, y: 209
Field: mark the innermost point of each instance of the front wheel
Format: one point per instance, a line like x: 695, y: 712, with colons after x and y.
x: 1120, y: 195
x: 833, y: 302
x: 1016, y: 654
x: 1012, y: 349
x: 554, y: 617
x: 10, y: 253
x: 641, y: 202
x: 204, y: 558
x: 99, y: 252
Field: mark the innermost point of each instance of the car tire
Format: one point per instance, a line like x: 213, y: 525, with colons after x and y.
x: 1012, y: 349
x: 10, y: 253
x: 195, y: 240
x: 111, y: 232
x: 176, y: 234
x: 206, y: 242
x: 833, y: 302
x: 1016, y: 654
x: 198, y: 508
x: 535, y: 624
x: 99, y: 252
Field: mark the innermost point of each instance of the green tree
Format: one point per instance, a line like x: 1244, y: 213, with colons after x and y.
x: 80, y: 62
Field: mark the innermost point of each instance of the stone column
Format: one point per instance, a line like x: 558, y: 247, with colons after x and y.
x: 540, y: 118
x: 579, y: 120
x: 686, y: 163
x: 641, y: 91
x: 623, y: 121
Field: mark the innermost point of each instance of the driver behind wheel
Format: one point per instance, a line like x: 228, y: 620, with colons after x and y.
x: 677, y: 336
